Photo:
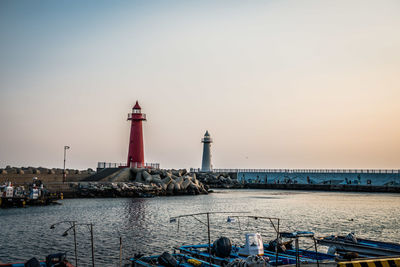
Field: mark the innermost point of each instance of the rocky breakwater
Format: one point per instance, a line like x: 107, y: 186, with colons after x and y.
x: 218, y: 180
x: 171, y: 182
x: 136, y: 182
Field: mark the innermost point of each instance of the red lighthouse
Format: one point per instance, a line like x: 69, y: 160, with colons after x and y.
x: 136, y: 150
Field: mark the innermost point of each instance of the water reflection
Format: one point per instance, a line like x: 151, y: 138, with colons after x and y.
x: 135, y: 213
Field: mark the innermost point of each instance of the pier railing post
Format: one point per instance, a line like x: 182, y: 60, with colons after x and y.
x: 277, y: 244
x: 120, y: 251
x: 76, y: 251
x: 209, y: 238
x: 297, y: 252
x: 316, y: 251
x: 91, y: 239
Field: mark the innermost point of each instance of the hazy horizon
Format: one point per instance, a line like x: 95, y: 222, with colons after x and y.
x: 278, y: 84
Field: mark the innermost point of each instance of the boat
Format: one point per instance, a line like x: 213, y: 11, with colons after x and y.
x: 363, y: 247
x: 201, y: 252
x: 238, y: 252
x: 253, y: 246
x: 222, y: 255
x: 169, y: 260
x: 286, y: 248
x: 52, y: 260
x: 18, y: 196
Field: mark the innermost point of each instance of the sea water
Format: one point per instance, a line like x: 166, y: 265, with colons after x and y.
x: 144, y: 223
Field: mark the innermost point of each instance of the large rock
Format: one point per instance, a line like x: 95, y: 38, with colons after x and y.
x: 179, y: 180
x: 155, y: 172
x: 174, y: 177
x: 139, y: 178
x: 177, y: 188
x: 171, y: 187
x: 156, y: 179
x: 185, y: 184
x: 135, y: 171
x: 147, y: 177
x: 167, y: 180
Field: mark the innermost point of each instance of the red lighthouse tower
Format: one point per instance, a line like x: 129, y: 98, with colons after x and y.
x: 136, y: 150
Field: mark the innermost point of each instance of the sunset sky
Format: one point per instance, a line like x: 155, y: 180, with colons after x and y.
x: 278, y: 84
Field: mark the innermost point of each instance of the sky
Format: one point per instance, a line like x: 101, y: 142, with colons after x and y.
x: 277, y: 83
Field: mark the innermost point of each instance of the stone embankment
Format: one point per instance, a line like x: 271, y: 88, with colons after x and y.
x: 136, y: 182
x: 24, y: 175
x: 126, y: 182
x: 218, y: 180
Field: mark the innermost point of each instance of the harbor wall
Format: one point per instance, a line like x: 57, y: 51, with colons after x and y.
x: 22, y: 176
x: 326, y: 187
x: 374, y: 178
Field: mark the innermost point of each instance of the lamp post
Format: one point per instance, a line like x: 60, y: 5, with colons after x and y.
x: 65, y: 155
x: 90, y: 225
x: 73, y: 224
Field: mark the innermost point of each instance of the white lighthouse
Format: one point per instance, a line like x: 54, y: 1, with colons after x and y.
x: 206, y: 163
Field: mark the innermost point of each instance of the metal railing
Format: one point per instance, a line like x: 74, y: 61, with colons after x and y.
x: 136, y: 115
x: 302, y: 170
x: 145, y: 165
x: 103, y: 165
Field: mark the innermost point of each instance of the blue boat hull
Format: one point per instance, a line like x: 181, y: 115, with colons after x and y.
x: 200, y: 251
x: 364, y: 247
x: 182, y: 259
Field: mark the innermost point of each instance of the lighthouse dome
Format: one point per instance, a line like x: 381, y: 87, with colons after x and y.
x: 137, y: 106
x: 207, y: 134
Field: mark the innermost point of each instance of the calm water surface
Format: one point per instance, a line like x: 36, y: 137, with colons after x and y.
x: 144, y: 223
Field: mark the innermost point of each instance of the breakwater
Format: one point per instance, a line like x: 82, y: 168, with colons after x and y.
x: 119, y: 182
x: 144, y: 183
x: 137, y: 182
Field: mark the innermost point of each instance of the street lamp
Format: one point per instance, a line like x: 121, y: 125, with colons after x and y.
x: 73, y: 224
x: 90, y: 225
x: 65, y: 155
